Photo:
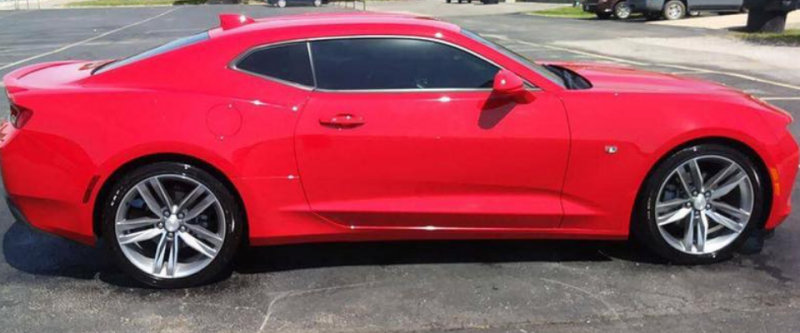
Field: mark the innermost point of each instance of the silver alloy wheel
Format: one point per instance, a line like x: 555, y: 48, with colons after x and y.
x: 674, y: 11
x: 170, y: 226
x: 317, y: 3
x: 704, y: 204
x: 622, y: 10
x: 281, y: 3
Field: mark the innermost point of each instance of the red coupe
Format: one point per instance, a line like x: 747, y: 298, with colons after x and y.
x: 356, y: 127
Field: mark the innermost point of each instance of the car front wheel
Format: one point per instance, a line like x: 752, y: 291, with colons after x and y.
x: 172, y: 225
x: 622, y: 11
x: 701, y: 204
x: 674, y: 10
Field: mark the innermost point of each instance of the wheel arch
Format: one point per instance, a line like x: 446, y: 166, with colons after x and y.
x: 132, y: 164
x: 749, y: 151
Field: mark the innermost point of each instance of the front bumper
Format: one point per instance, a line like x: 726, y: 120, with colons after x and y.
x: 783, y: 172
x: 597, y: 7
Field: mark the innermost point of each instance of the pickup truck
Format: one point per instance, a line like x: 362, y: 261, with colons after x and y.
x: 678, y: 9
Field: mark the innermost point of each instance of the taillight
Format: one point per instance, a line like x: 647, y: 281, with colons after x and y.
x: 19, y: 115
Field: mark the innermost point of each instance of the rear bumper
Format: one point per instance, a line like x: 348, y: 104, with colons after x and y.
x: 39, y: 192
x: 17, y: 214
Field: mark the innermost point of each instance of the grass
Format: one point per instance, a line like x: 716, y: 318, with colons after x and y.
x: 789, y: 37
x: 566, y: 12
x: 114, y: 3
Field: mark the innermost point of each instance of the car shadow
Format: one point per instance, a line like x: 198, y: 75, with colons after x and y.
x: 295, y: 257
x: 34, y: 252
x: 495, y: 109
x: 37, y: 253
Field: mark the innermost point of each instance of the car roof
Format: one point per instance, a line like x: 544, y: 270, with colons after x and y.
x: 338, y: 20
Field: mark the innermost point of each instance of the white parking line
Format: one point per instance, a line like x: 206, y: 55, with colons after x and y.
x: 685, y: 72
x: 781, y: 98
x: 741, y: 76
x: 694, y: 70
x: 558, y: 48
x: 15, y: 13
x: 66, y: 47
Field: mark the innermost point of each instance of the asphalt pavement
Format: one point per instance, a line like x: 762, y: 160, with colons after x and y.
x: 51, y: 285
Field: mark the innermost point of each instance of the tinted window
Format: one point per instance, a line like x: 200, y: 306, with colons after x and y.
x: 286, y: 62
x: 173, y: 45
x: 396, y: 63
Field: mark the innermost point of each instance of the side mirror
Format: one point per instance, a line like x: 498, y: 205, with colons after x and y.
x: 509, y: 84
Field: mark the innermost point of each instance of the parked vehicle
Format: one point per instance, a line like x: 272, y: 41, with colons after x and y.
x: 678, y: 9
x: 485, y: 2
x: 604, y: 9
x: 284, y: 3
x: 366, y: 127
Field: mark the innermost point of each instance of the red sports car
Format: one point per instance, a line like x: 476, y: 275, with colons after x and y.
x: 356, y: 127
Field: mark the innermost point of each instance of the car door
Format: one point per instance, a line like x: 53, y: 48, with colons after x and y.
x: 406, y: 133
x: 721, y: 5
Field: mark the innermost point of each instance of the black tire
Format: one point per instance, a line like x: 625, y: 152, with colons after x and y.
x: 603, y: 16
x: 622, y: 11
x: 644, y: 226
x: 219, y: 267
x: 449, y: 1
x: 678, y: 6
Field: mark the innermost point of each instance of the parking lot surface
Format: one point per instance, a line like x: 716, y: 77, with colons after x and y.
x: 52, y: 285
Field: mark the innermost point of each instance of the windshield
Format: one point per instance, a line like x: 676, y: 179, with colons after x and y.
x: 516, y: 56
x: 173, y: 45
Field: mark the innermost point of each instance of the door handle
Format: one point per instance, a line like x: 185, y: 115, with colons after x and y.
x: 342, y: 121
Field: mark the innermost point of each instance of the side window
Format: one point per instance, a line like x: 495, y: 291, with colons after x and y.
x: 284, y: 62
x: 397, y: 63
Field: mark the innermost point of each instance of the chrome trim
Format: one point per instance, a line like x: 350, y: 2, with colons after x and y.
x: 405, y: 90
x: 308, y: 41
x: 311, y: 61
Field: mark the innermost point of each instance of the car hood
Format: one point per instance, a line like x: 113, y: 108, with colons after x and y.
x: 620, y: 78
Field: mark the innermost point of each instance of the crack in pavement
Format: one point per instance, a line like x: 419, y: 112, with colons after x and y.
x: 294, y: 293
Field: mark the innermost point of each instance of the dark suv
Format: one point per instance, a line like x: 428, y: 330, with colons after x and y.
x: 604, y: 9
x: 678, y: 9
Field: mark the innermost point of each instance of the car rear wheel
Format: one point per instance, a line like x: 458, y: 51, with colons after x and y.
x: 172, y: 225
x: 701, y: 204
x: 622, y: 11
x: 674, y: 10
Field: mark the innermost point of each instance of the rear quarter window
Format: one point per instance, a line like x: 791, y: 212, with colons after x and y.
x: 289, y: 63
